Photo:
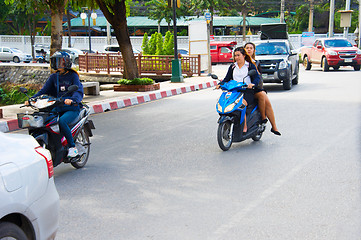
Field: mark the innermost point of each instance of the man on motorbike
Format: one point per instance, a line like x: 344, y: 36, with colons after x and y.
x: 56, y: 86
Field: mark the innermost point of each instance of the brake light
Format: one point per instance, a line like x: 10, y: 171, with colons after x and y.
x: 49, y: 163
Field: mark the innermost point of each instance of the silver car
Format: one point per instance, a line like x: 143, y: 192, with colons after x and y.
x: 29, y: 201
x: 14, y: 54
x: 74, y: 54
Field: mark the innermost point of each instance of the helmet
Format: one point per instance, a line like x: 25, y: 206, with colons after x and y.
x: 60, y: 59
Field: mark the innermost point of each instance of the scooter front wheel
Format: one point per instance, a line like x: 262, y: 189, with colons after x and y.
x: 82, y: 143
x: 224, y: 135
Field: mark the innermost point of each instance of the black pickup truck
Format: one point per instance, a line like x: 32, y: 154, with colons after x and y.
x: 279, y: 62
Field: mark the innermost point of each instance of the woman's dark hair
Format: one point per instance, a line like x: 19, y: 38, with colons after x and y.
x: 254, y: 47
x: 244, y: 53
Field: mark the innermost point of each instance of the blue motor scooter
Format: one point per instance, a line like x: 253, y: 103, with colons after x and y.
x: 232, y: 114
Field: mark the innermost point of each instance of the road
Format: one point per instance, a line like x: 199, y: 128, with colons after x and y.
x: 156, y: 171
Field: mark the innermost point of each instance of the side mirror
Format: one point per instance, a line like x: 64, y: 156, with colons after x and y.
x: 214, y: 76
x: 73, y: 88
x: 23, y: 90
x: 252, y: 72
x: 293, y: 52
x: 319, y: 47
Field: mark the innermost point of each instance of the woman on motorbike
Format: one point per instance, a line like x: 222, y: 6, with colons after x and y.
x: 264, y: 104
x: 58, y: 84
x: 238, y: 71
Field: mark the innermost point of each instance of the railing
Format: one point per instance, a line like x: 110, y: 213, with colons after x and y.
x: 147, y: 64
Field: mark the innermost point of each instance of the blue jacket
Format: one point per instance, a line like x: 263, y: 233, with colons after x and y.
x: 58, y: 84
x: 255, y: 79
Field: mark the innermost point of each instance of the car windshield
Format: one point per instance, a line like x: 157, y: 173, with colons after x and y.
x: 272, y: 48
x: 337, y: 43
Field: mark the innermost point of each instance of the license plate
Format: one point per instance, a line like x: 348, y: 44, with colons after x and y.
x: 348, y: 60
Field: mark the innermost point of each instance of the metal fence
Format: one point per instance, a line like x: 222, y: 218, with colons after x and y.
x: 147, y: 64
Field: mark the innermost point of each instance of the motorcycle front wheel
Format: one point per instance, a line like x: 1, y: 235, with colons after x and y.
x: 82, y: 144
x: 224, y: 135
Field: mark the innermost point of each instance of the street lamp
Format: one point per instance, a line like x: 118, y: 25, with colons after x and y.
x: 83, y: 16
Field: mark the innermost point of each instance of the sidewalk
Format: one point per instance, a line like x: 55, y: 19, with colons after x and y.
x: 111, y: 100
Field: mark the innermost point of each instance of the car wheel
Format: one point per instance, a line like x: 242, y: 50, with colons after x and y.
x: 336, y: 68
x: 16, y: 59
x: 356, y: 67
x: 295, y: 80
x: 306, y: 63
x: 11, y: 231
x: 76, y: 61
x: 325, y: 66
x: 287, y: 83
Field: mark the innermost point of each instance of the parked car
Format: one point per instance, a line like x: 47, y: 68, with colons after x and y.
x: 74, y: 54
x: 279, y: 62
x: 183, y: 51
x: 331, y: 52
x: 14, y: 54
x: 222, y: 52
x: 115, y: 49
x: 87, y: 51
x: 29, y: 201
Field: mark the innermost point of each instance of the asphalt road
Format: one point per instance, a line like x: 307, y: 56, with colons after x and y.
x: 156, y: 171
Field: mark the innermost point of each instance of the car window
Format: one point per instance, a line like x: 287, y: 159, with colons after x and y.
x: 6, y: 50
x: 337, y: 43
x: 213, y: 47
x: 225, y: 50
x: 315, y: 44
x: 272, y: 48
x: 319, y: 43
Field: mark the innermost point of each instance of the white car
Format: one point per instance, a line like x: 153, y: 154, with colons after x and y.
x: 29, y: 201
x: 14, y: 54
x: 116, y: 48
x: 74, y: 54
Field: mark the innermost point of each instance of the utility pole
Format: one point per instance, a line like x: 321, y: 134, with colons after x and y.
x: 345, y: 29
x: 310, y: 20
x: 282, y: 13
x: 331, y: 20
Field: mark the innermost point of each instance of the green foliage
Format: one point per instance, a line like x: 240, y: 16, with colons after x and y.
x: 159, y: 45
x: 10, y: 93
x: 168, y: 47
x: 145, y: 46
x: 136, y: 81
x: 152, y: 44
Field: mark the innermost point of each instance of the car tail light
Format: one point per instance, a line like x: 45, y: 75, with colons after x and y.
x: 46, y: 154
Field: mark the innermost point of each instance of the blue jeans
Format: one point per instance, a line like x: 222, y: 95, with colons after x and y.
x: 64, y: 120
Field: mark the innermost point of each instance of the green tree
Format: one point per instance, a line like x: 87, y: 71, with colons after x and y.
x: 159, y: 45
x: 145, y: 46
x: 168, y: 46
x: 152, y: 44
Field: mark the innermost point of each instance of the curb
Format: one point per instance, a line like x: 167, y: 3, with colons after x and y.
x: 12, y: 125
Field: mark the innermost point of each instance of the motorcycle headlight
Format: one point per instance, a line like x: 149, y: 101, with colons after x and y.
x: 283, y: 64
x: 332, y: 53
x: 229, y: 107
x: 219, y: 107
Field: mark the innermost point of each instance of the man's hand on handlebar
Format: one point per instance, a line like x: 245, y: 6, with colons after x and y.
x: 250, y: 86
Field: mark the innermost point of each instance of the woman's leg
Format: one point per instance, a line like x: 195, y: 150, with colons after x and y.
x: 245, y: 117
x: 265, y: 107
x: 64, y: 120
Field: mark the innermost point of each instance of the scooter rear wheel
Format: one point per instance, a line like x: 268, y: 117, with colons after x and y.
x: 224, y: 135
x: 82, y: 143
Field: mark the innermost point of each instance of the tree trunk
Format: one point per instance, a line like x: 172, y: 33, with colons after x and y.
x: 117, y: 18
x: 57, y: 10
x: 69, y: 26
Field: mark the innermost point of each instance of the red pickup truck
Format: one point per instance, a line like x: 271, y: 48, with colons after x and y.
x: 331, y: 52
x: 221, y: 52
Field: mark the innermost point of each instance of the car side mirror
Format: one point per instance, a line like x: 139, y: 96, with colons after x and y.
x: 214, y: 76
x: 293, y: 52
x: 319, y: 47
x: 23, y: 90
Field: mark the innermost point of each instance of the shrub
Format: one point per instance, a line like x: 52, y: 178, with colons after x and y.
x: 153, y: 43
x: 145, y: 44
x: 136, y: 81
x: 159, y: 45
x: 10, y: 93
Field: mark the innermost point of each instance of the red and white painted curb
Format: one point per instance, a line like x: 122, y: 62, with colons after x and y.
x: 11, y: 125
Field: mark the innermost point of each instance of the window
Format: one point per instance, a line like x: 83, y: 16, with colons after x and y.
x: 337, y: 43
x: 225, y: 50
x: 213, y: 47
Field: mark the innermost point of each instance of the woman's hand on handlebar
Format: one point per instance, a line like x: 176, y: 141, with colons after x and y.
x: 250, y: 86
x: 68, y: 101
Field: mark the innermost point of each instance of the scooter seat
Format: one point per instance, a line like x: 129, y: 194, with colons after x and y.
x: 77, y: 119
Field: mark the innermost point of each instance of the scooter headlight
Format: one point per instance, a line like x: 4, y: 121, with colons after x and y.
x: 219, y: 107
x: 229, y: 107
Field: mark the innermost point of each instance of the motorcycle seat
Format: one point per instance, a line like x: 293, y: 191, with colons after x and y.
x: 77, y: 119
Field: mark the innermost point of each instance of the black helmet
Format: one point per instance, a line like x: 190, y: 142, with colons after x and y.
x: 60, y: 59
